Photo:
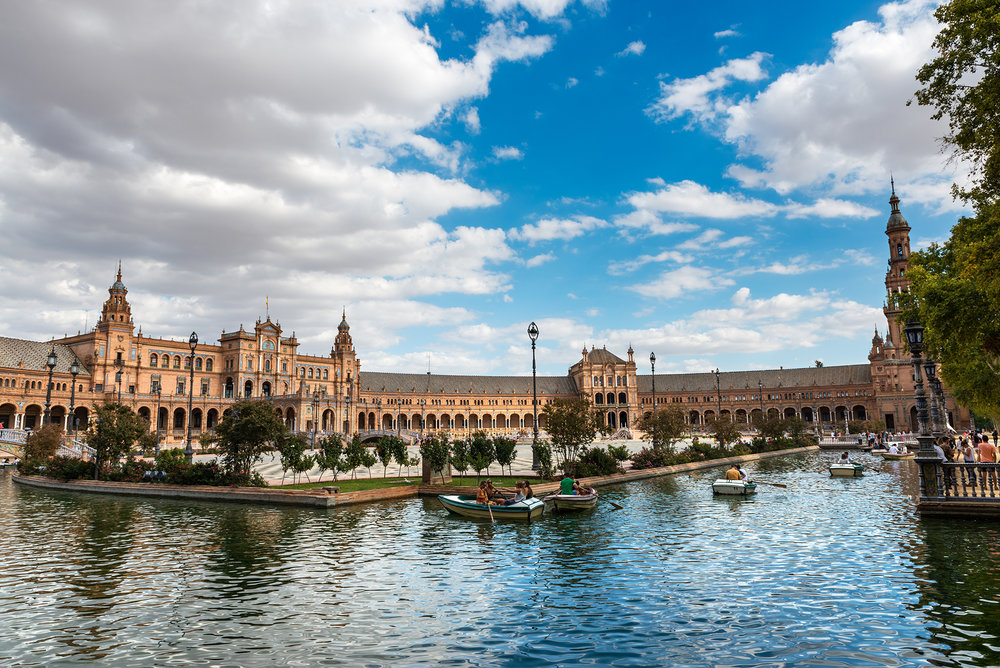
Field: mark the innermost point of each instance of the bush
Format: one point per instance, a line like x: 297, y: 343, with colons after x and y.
x: 654, y: 458
x: 60, y: 468
x: 543, y: 453
x: 593, y: 462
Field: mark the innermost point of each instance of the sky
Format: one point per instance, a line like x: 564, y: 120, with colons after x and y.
x: 706, y: 182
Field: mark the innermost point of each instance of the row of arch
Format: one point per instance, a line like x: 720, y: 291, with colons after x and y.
x: 34, y: 384
x: 742, y: 416
x: 163, y: 361
x: 601, y: 399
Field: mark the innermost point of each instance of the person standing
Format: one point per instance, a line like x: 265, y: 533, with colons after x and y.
x: 988, y: 455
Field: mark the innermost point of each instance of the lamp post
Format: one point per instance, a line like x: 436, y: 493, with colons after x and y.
x: 942, y: 405
x: 652, y: 365
x: 760, y: 395
x: 347, y: 415
x: 188, y: 450
x: 533, y: 335
x: 422, y: 402
x: 50, y: 362
x: 718, y: 392
x: 118, y: 382
x: 927, y: 459
x: 74, y: 369
x: 315, y: 420
x: 157, y: 446
x: 932, y: 403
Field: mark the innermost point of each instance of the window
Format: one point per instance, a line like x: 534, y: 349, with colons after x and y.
x: 310, y: 373
x: 177, y: 361
x: 267, y: 365
x: 284, y: 367
x: 326, y: 374
x: 205, y: 385
x: 208, y: 364
x: 154, y: 385
x: 153, y: 359
x: 197, y: 364
x: 249, y: 364
x: 180, y: 386
x: 899, y: 250
x: 187, y: 362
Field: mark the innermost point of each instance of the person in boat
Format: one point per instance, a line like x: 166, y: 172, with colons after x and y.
x: 743, y: 474
x: 733, y: 473
x: 893, y: 450
x: 518, y: 494
x: 526, y: 488
x: 566, y: 486
x: 492, y: 493
x: 844, y: 458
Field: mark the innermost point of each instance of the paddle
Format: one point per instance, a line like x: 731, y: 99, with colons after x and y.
x: 772, y: 484
x: 489, y: 507
x: 617, y: 507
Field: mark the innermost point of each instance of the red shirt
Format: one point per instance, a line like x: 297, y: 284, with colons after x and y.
x: 987, y: 452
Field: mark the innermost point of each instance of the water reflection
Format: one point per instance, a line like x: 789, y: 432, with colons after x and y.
x: 823, y: 571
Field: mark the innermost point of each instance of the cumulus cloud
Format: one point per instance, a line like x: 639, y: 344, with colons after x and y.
x: 696, y: 95
x: 550, y: 229
x: 539, y: 260
x: 636, y: 48
x: 507, y: 153
x: 681, y: 282
x: 729, y: 32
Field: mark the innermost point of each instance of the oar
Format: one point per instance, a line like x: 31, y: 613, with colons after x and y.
x: 617, y: 507
x: 489, y: 507
x: 772, y: 484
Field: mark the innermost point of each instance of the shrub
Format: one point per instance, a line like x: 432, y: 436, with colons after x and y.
x: 593, y: 462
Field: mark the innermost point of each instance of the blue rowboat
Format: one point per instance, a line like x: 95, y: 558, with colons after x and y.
x: 467, y: 507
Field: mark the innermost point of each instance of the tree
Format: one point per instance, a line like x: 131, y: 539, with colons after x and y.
x: 506, y: 450
x: 460, y: 455
x: 962, y: 85
x: 481, y: 452
x: 112, y: 433
x: 384, y: 454
x: 770, y: 427
x: 368, y: 458
x: 435, y: 451
x: 953, y: 288
x: 43, y: 442
x: 542, y: 451
x: 354, y: 456
x: 665, y: 425
x: 571, y: 424
x: 819, y: 364
x: 724, y: 430
x: 291, y: 450
x: 245, y: 433
x: 328, y: 457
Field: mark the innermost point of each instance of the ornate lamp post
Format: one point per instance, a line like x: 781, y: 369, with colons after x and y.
x: 926, y: 458
x: 652, y: 366
x: 930, y: 370
x: 533, y: 335
x: 50, y: 362
x: 74, y: 369
x: 942, y: 404
x: 347, y: 415
x: 422, y: 402
x: 188, y: 450
x: 315, y: 419
x: 118, y: 382
x: 718, y: 392
x: 760, y: 395
x: 157, y: 423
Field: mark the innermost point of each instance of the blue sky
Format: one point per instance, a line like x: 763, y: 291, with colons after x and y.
x: 706, y: 182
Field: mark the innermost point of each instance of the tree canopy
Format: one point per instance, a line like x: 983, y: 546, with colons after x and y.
x: 112, y: 433
x: 245, y: 433
x: 571, y: 424
x: 962, y: 84
x: 665, y: 426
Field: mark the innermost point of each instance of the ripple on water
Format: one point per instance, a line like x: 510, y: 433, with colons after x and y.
x: 825, y: 572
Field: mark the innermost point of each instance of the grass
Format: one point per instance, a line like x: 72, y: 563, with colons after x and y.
x: 360, y: 484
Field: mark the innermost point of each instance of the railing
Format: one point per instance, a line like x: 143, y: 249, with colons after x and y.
x: 13, y: 436
x: 967, y: 481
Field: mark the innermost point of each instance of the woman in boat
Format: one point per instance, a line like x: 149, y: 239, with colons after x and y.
x: 845, y: 458
x: 526, y: 488
x: 482, y: 496
x: 518, y: 494
x: 743, y: 474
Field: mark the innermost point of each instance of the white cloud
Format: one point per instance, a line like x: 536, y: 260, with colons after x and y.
x: 635, y: 48
x: 680, y: 282
x: 696, y: 95
x: 618, y: 268
x: 507, y: 153
x: 688, y: 198
x: 549, y: 229
x: 572, y: 82
x: 729, y: 32
x: 539, y: 260
x: 471, y: 120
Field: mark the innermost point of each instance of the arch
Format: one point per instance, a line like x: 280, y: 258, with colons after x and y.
x: 248, y: 389
x: 361, y: 420
x: 487, y: 422
x: 7, y: 413
x: 460, y: 421
x: 196, y: 418
x: 154, y: 359
x: 177, y: 361
x: 611, y: 398
x: 772, y: 413
x: 516, y: 422
x: 501, y: 421
x: 213, y: 418
x: 146, y: 414
x: 265, y: 388
x: 371, y: 420
x: 32, y: 417
x: 179, y: 415
x: 841, y: 413
x: 824, y: 414
x: 267, y: 364
x: 431, y: 422
x: 404, y: 422
x: 387, y: 422
x: 789, y: 413
x: 598, y: 399
x: 162, y: 416
x: 81, y: 417
x: 807, y: 414
x: 859, y: 412
x: 290, y: 418
x: 208, y: 364
x: 709, y: 415
x: 445, y: 422
x: 622, y: 399
x: 612, y: 419
x: 228, y: 392
x: 694, y: 417
x: 725, y: 414
x: 197, y: 363
x: 474, y: 421
x: 327, y: 419
x: 623, y: 419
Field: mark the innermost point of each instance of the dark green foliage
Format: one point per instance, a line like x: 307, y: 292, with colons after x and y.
x: 772, y: 427
x: 724, y: 430
x: 542, y: 451
x: 505, y: 449
x: 571, y: 424
x: 665, y: 426
x: 435, y: 451
x: 619, y: 452
x: 112, y: 433
x: 481, y: 452
x: 354, y: 456
x: 43, y: 442
x: 245, y: 433
x: 292, y: 453
x: 594, y: 462
x: 460, y: 455
x: 329, y: 456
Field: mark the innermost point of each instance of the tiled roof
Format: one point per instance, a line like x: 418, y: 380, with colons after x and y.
x: 34, y: 354
x: 374, y: 382
x: 849, y: 374
x: 602, y: 356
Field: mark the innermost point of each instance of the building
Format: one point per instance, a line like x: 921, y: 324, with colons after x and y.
x: 319, y: 393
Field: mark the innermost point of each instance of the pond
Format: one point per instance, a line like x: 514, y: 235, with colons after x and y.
x: 824, y: 571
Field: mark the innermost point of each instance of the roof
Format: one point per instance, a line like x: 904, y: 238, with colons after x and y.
x: 425, y: 383
x: 602, y: 356
x: 825, y: 376
x: 34, y: 354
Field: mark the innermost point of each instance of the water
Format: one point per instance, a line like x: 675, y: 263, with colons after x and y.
x: 832, y: 572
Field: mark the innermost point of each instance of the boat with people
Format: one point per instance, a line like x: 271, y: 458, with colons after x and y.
x: 846, y: 470
x: 567, y: 502
x: 467, y: 506
x: 734, y: 487
x: 898, y: 456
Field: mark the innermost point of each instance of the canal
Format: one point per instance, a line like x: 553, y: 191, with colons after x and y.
x: 833, y: 572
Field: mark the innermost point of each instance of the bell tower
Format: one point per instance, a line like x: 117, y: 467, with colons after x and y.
x: 896, y: 282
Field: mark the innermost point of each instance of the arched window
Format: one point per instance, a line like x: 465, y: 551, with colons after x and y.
x: 302, y: 372
x: 310, y: 372
x: 208, y: 364
x: 326, y: 374
x: 197, y: 364
x: 153, y: 359
x: 267, y: 365
x: 899, y: 250
x: 187, y: 361
x: 177, y: 361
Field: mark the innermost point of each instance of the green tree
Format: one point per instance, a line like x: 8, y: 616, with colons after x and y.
x: 328, y: 458
x: 112, y: 433
x: 291, y: 450
x: 724, y: 430
x: 384, y: 453
x: 368, y: 459
x: 505, y: 449
x: 570, y: 424
x: 435, y: 451
x: 954, y: 292
x: 460, y: 455
x: 43, y: 442
x: 245, y: 433
x: 542, y: 451
x: 770, y: 427
x: 962, y: 85
x: 481, y: 452
x: 665, y: 426
x: 354, y: 456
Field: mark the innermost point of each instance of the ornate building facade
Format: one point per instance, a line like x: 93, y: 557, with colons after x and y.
x: 159, y: 378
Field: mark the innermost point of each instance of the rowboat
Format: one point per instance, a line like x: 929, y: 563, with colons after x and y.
x: 734, y: 487
x: 846, y: 470
x: 899, y: 456
x: 467, y: 507
x: 879, y: 451
x: 572, y: 501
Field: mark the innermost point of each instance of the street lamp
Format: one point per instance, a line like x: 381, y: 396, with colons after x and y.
x: 118, y: 381
x: 718, y: 392
x: 932, y: 403
x: 927, y: 459
x: 422, y: 402
x: 760, y: 395
x: 533, y: 335
x: 50, y: 362
x: 652, y: 364
x: 157, y: 446
x: 188, y: 450
x: 315, y: 409
x: 74, y: 369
